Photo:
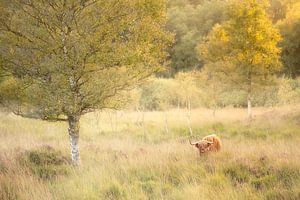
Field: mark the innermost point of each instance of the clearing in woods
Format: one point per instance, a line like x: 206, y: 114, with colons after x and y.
x: 146, y: 155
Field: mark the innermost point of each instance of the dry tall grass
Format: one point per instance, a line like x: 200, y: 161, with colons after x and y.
x: 130, y: 155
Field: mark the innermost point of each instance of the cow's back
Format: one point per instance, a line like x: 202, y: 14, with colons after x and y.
x: 216, y: 146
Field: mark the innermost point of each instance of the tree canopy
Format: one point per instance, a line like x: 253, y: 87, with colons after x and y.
x: 70, y: 57
x: 245, y: 46
x: 80, y: 54
x: 192, y: 20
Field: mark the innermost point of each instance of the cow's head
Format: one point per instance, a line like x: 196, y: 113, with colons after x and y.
x: 202, y: 145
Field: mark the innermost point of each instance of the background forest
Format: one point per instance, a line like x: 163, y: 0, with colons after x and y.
x: 192, y: 22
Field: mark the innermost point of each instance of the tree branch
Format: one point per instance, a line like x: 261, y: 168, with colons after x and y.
x: 32, y: 116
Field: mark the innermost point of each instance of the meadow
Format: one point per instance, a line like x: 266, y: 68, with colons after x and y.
x: 146, y: 155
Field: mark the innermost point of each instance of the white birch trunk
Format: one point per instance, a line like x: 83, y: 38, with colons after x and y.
x: 189, y: 118
x: 214, y: 111
x: 249, y: 107
x: 74, y: 136
x: 166, y: 122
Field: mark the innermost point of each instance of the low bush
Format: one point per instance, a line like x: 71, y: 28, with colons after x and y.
x: 238, y: 173
x: 45, y: 162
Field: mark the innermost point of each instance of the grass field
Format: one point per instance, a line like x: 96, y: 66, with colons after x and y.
x: 136, y: 155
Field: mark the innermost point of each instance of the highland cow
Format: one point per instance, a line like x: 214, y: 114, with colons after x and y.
x: 210, y: 143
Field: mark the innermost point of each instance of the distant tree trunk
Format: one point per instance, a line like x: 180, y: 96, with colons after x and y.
x: 111, y: 121
x: 98, y: 123
x: 116, y: 121
x: 166, y: 122
x: 249, y: 107
x: 214, y: 111
x: 189, y: 105
x: 214, y: 99
x: 189, y: 118
x: 143, y: 125
x: 249, y: 97
x: 74, y: 136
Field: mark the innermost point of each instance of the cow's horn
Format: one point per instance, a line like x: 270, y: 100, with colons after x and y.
x: 192, y: 143
x: 209, y: 142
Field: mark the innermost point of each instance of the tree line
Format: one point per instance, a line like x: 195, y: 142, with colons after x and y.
x: 193, y: 20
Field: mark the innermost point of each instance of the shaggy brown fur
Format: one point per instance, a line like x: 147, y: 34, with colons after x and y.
x: 210, y: 143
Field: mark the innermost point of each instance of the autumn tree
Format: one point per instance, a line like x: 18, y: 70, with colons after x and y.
x: 246, y: 47
x: 70, y: 57
x: 290, y: 30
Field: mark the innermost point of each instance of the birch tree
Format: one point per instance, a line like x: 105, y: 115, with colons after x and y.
x: 246, y: 44
x: 71, y: 57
